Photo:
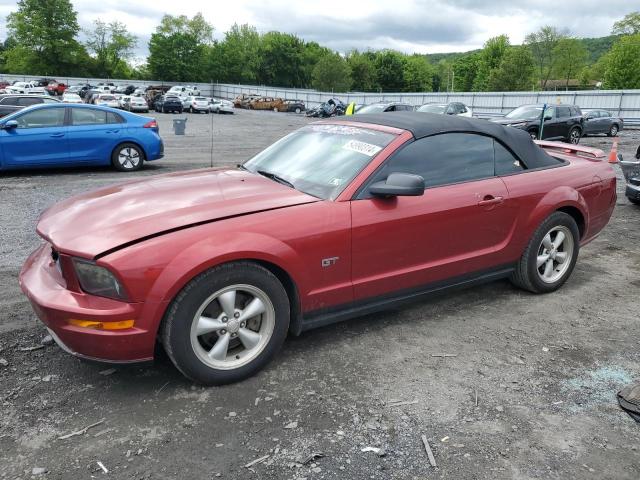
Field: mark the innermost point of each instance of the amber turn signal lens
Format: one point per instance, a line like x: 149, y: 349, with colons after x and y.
x: 121, y: 325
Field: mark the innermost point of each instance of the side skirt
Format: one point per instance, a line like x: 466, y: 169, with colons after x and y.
x: 321, y: 318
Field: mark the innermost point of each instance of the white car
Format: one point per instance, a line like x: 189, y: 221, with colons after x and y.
x: 26, y: 87
x: 71, y: 98
x: 187, y: 90
x: 107, y: 100
x: 136, y: 104
x: 198, y: 104
x: 104, y: 88
x: 218, y: 105
x: 453, y: 108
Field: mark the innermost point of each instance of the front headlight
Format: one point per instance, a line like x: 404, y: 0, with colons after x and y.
x: 98, y: 280
x: 518, y: 125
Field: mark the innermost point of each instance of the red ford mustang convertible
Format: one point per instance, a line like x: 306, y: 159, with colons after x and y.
x: 335, y: 220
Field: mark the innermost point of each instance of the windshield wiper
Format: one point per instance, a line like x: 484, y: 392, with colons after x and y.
x: 241, y: 167
x: 276, y: 178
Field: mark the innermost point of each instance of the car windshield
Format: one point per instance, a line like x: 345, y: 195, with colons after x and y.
x: 432, y: 108
x: 320, y: 160
x: 374, y: 108
x: 527, y: 112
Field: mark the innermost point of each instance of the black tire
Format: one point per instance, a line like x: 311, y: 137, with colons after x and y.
x: 533, y: 133
x: 135, y: 161
x: 635, y: 201
x: 176, y: 327
x: 297, y: 110
x: 526, y: 274
x: 164, y: 110
x: 573, y: 137
x: 613, y: 131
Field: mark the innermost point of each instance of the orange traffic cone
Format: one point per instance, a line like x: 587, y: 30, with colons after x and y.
x: 613, y: 154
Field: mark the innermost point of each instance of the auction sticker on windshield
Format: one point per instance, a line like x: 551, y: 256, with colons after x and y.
x: 362, y: 147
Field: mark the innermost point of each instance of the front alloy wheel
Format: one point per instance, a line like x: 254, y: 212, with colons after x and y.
x: 127, y: 157
x: 227, y: 323
x: 574, y: 136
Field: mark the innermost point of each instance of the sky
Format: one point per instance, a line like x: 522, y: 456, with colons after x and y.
x: 411, y: 26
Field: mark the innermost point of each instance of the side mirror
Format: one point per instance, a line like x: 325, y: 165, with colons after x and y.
x: 547, y: 116
x: 399, y: 185
x: 11, y: 124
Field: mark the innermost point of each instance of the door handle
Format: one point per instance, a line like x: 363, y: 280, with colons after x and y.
x: 490, y: 200
x: 112, y: 131
x: 57, y: 135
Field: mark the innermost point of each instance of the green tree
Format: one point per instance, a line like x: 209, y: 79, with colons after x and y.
x: 363, y: 74
x: 332, y: 74
x: 112, y: 45
x: 418, y: 74
x: 629, y: 25
x: 542, y: 44
x: 490, y: 59
x: 465, y: 69
x: 44, y: 32
x: 281, y: 60
x: 623, y: 63
x: 571, y: 57
x: 389, y: 66
x: 238, y: 55
x: 312, y: 52
x: 178, y: 47
x: 515, y: 71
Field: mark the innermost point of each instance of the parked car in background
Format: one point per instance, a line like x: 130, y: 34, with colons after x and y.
x: 61, y: 135
x: 12, y: 103
x: 70, y: 97
x: 107, y: 100
x: 168, y: 103
x: 631, y: 171
x: 184, y: 90
x: 80, y: 89
x: 215, y: 266
x: 601, y: 121
x: 125, y: 89
x: 104, y: 88
x: 452, y: 108
x: 26, y: 87
x: 296, y: 106
x: 56, y: 88
x: 385, y: 107
x: 136, y: 104
x: 561, y: 122
x: 218, y: 105
x: 265, y: 103
x: 198, y: 104
x: 243, y: 100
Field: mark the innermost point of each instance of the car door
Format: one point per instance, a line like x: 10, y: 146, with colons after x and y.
x: 93, y: 134
x: 550, y: 127
x: 591, y: 122
x: 604, y: 121
x: 39, y: 140
x: 457, y: 227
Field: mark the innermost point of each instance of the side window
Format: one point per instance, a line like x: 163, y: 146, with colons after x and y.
x: 49, y: 100
x: 9, y: 101
x: 506, y: 163
x: 26, y: 101
x: 42, y: 117
x: 451, y: 109
x: 605, y: 114
x: 88, y: 116
x: 549, y: 113
x: 444, y: 159
x: 113, y: 118
x: 564, y: 112
x: 462, y: 108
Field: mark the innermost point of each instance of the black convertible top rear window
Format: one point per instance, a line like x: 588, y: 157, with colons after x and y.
x: 427, y: 124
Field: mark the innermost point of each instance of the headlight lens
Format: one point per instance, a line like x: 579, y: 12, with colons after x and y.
x: 518, y: 125
x: 98, y: 280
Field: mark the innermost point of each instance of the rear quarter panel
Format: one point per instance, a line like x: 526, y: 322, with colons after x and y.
x: 586, y: 185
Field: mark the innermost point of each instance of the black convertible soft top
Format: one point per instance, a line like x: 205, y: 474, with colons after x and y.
x: 426, y: 124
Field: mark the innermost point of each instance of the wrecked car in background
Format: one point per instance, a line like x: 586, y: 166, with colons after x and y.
x: 296, y: 106
x: 265, y: 103
x: 243, y: 100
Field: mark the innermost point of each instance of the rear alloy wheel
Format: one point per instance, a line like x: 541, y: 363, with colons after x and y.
x: 533, y: 134
x: 613, y: 131
x: 574, y: 136
x: 227, y: 323
x: 550, y: 256
x: 127, y: 157
x: 298, y: 110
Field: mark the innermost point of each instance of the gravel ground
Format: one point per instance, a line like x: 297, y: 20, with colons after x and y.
x: 530, y: 392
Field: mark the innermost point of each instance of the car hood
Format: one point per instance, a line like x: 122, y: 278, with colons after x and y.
x: 509, y: 121
x: 103, y: 220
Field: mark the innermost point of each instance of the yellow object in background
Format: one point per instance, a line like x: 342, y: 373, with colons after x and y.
x: 351, y: 108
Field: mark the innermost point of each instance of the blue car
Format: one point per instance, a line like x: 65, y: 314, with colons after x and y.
x: 65, y: 135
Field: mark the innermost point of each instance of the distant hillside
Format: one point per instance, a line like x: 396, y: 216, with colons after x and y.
x: 595, y: 46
